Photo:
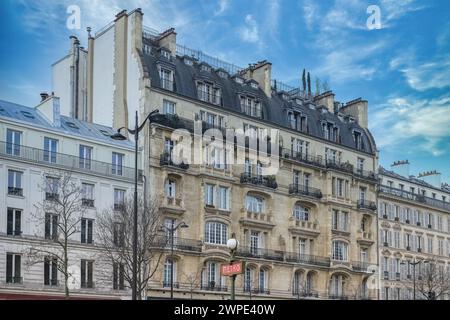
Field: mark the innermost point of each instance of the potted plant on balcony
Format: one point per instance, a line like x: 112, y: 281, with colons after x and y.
x: 272, y: 182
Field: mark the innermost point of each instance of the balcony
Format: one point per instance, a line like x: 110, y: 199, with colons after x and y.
x: 18, y: 192
x: 65, y: 161
x: 368, y: 205
x: 164, y: 242
x: 302, y: 190
x: 51, y: 196
x: 307, y: 259
x: 360, y: 266
x: 305, y: 293
x: 14, y: 280
x: 346, y: 167
x: 258, y: 180
x: 167, y: 284
x: 302, y: 158
x: 211, y: 286
x: 297, y: 226
x: 365, y: 237
x: 369, y: 175
x: 173, y: 205
x: 259, y: 253
x: 87, y: 203
x: 167, y: 160
x: 414, y: 197
x: 256, y: 219
x: 261, y: 291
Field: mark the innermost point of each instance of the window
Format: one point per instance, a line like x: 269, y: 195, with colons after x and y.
x: 87, y: 272
x: 168, y: 107
x: 171, y: 188
x: 117, y: 162
x: 248, y: 279
x: 165, y: 54
x: 118, y: 276
x: 339, y: 187
x: 254, y: 204
x: 168, y: 265
x: 15, y: 183
x: 216, y: 233
x: 13, y: 140
x: 339, y: 251
x: 363, y: 254
x: 87, y: 226
x: 332, y: 156
x: 251, y: 106
x: 208, y: 93
x: 50, y: 149
x: 13, y: 268
x: 168, y: 146
x: 299, y: 148
x: 166, y: 79
x: 13, y: 227
x: 224, y: 198
x: 439, y: 223
x: 85, y: 157
x: 357, y: 138
x: 337, y: 283
x: 87, y: 195
x: 118, y: 236
x: 262, y: 280
x: 119, y: 199
x: 440, y: 247
x: 248, y: 167
x: 297, y: 121
x: 50, y: 271
x: 340, y: 220
x: 408, y: 241
x: 51, y: 226
x: 430, y: 244
x: 255, y: 237
x: 301, y: 213
x: 330, y: 131
x: 212, y: 276
x: 362, y: 194
x: 360, y: 165
x: 209, y: 195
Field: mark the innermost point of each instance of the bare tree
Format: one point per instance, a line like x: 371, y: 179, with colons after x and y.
x: 115, y: 240
x: 193, y: 280
x: 60, y: 214
x: 432, y: 282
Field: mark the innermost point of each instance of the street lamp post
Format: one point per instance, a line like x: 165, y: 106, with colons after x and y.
x: 414, y: 264
x: 118, y: 136
x: 232, y: 244
x: 172, y: 230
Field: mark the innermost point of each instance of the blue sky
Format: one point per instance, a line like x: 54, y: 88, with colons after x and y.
x: 402, y: 69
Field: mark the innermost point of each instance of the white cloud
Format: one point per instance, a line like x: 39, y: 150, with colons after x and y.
x: 309, y: 13
x: 430, y: 75
x: 392, y: 10
x: 406, y: 121
x: 249, y: 32
x: 223, y: 6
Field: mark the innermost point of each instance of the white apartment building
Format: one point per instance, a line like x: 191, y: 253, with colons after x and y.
x: 413, y: 228
x: 35, y: 144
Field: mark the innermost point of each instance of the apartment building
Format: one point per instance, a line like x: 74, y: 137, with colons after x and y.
x: 37, y: 145
x: 302, y: 204
x: 414, y: 230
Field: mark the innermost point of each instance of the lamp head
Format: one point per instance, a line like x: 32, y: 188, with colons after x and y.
x: 232, y: 244
x: 183, y: 225
x: 118, y: 136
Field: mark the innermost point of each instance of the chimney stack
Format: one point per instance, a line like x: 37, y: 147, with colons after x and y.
x: 358, y: 109
x: 326, y: 99
x: 168, y: 40
x: 401, y: 168
x: 431, y: 177
x: 261, y: 72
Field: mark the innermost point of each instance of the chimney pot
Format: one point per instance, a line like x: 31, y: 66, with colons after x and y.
x: 44, y: 96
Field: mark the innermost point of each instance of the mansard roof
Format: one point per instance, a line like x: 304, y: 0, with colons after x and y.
x: 31, y: 116
x: 274, y: 109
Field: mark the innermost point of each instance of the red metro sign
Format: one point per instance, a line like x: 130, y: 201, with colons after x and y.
x: 232, y: 269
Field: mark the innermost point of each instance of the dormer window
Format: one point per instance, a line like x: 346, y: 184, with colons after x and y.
x: 188, y: 61
x: 297, y: 121
x: 222, y: 74
x: 253, y: 84
x: 166, y: 78
x: 357, y: 138
x: 251, y: 106
x: 206, y: 91
x: 330, y: 131
x: 239, y: 80
x: 165, y: 54
x: 205, y: 67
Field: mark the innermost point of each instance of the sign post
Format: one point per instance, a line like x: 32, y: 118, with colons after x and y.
x: 232, y: 269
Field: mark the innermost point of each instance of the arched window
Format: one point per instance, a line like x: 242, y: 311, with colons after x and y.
x: 262, y: 281
x: 340, y: 251
x: 168, y: 272
x: 301, y: 212
x: 216, y: 233
x: 255, y: 204
x: 297, y: 285
x: 211, y: 278
x: 248, y: 279
x: 171, y: 190
x: 309, y: 285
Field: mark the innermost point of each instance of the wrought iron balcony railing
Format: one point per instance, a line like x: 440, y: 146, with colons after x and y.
x: 15, y: 280
x: 211, y: 286
x: 269, y: 181
x: 305, y: 190
x: 65, y: 161
x: 338, y: 297
x: 87, y: 203
x: 305, y: 293
x: 414, y: 197
x: 302, y: 157
x: 361, y: 266
x: 164, y: 242
x: 364, y: 204
x: 260, y: 253
x: 167, y: 284
x: 12, y: 191
x: 307, y: 259
x: 167, y: 160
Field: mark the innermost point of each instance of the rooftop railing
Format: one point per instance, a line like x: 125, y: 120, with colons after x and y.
x: 414, y: 197
x: 65, y: 161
